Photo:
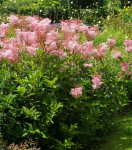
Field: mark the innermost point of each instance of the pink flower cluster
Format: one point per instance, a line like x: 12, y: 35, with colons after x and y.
x: 117, y: 55
x: 90, y: 34
x: 128, y: 44
x: 10, y: 51
x: 111, y: 42
x: 4, y: 30
x: 52, y: 36
x: 76, y: 92
x: 100, y: 50
x: 14, y: 20
x: 125, y: 66
x: 28, y: 38
x: 69, y: 27
x: 86, y: 50
x: 33, y: 33
x: 88, y: 65
x: 96, y: 81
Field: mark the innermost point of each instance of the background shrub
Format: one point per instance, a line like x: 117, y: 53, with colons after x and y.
x: 24, y: 10
x: 65, y: 9
x: 13, y: 6
x: 116, y: 22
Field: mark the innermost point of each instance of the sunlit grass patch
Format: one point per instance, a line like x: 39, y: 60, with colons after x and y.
x: 122, y: 138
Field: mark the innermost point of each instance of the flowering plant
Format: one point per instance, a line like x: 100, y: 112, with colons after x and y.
x: 56, y: 86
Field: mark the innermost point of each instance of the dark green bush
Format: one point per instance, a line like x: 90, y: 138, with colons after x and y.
x: 33, y: 9
x: 54, y: 13
x: 124, y: 3
x: 13, y: 6
x: 24, y: 10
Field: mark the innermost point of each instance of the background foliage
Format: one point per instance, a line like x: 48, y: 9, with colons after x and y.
x: 64, y: 9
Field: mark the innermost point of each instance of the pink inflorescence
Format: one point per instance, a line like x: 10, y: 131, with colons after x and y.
x: 96, y: 81
x: 100, y: 51
x: 125, y: 66
x: 76, y: 92
x: 128, y: 44
x: 117, y: 55
x: 111, y: 42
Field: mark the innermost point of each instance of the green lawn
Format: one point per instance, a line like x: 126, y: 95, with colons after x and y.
x: 121, y: 139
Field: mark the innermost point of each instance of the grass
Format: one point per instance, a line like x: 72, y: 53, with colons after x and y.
x: 122, y: 138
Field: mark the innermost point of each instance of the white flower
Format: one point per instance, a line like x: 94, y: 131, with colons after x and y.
x: 71, y: 2
x: 126, y: 37
x: 108, y: 17
x: 40, y: 10
x: 92, y: 57
x: 14, y: 1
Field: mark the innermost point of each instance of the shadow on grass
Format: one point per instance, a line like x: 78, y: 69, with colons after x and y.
x: 121, y: 139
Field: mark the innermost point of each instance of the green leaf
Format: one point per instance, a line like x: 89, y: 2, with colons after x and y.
x: 73, y: 127
x: 8, y: 98
x: 54, y: 106
x: 68, y: 143
x: 25, y: 134
x: 51, y: 82
x: 21, y: 90
x: 43, y: 135
x: 31, y: 113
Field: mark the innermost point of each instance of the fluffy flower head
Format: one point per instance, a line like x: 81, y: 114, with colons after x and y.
x: 111, y: 42
x: 128, y: 44
x: 125, y: 66
x: 96, y: 81
x: 76, y: 92
x: 117, y: 55
x: 88, y: 65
